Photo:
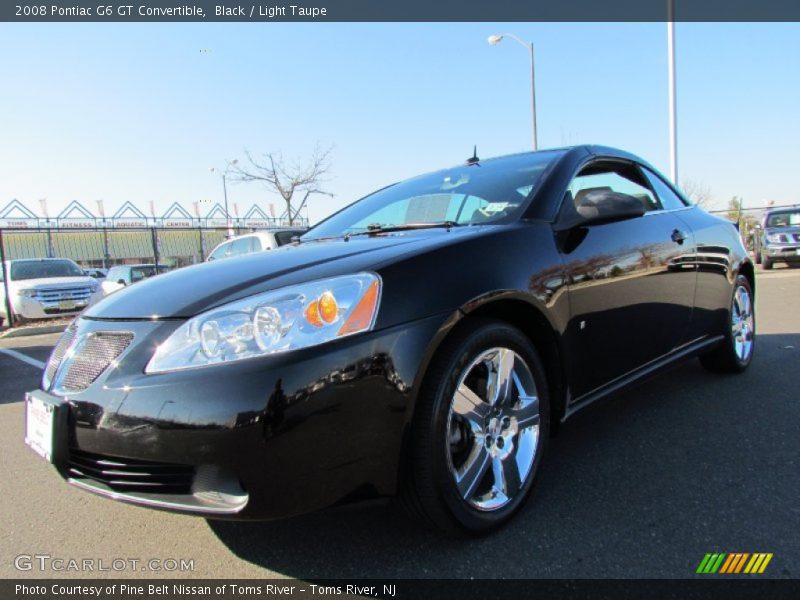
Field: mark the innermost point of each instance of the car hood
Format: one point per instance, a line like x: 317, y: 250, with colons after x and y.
x: 47, y: 283
x: 189, y: 291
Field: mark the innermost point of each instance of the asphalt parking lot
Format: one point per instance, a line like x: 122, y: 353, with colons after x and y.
x: 642, y: 485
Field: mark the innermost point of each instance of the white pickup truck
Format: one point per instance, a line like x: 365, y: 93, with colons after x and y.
x: 43, y: 288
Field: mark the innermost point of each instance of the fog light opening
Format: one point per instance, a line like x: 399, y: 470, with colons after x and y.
x: 215, y: 485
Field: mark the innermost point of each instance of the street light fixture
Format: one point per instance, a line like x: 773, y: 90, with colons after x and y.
x: 496, y: 39
x: 224, y: 175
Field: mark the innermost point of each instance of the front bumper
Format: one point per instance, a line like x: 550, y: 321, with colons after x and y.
x: 787, y: 253
x: 33, y: 308
x: 260, y: 438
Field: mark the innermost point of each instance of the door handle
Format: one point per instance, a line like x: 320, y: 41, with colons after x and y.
x: 678, y: 236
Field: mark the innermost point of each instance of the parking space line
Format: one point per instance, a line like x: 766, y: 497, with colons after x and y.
x: 23, y: 357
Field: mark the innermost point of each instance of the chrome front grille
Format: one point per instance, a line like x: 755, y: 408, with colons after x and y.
x: 785, y: 238
x: 131, y: 475
x: 57, y: 356
x: 56, y: 295
x: 91, y: 356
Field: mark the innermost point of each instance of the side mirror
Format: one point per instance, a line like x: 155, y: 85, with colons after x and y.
x: 605, y: 206
x: 121, y: 282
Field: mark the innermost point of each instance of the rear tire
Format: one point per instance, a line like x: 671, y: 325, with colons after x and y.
x: 766, y: 264
x: 736, y: 352
x: 479, y: 430
x: 758, y: 258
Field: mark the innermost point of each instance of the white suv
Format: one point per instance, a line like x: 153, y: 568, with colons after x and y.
x: 42, y: 288
x: 253, y: 242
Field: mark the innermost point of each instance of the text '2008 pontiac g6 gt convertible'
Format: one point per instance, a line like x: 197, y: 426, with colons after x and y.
x: 419, y: 343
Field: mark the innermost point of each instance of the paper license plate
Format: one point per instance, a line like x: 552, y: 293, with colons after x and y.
x: 66, y: 305
x: 39, y: 426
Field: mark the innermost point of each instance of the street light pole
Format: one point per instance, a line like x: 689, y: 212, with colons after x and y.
x: 224, y: 175
x: 533, y: 99
x: 496, y: 39
x: 225, y: 194
x: 673, y: 121
x: 43, y: 204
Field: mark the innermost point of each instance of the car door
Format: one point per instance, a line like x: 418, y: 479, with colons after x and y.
x: 629, y: 302
x: 713, y: 258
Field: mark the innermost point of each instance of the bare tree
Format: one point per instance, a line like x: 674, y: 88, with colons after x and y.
x: 298, y: 179
x: 697, y: 191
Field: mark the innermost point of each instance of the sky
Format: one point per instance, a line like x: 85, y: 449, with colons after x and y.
x: 139, y: 112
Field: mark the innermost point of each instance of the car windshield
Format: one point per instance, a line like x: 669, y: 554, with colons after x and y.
x: 784, y: 219
x: 42, y: 269
x: 139, y: 273
x: 486, y: 192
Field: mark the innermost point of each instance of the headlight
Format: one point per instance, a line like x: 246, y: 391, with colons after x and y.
x: 27, y: 293
x: 774, y: 238
x: 278, y: 321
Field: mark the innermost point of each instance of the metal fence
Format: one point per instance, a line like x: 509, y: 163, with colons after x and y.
x: 107, y: 247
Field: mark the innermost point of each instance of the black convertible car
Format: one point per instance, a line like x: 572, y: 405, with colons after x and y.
x: 422, y: 342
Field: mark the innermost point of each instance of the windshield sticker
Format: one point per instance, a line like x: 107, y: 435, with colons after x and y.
x: 494, y: 207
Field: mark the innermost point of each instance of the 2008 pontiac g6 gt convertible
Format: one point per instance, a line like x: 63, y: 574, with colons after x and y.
x: 421, y: 342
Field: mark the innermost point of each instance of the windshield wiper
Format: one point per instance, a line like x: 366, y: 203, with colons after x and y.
x: 376, y: 228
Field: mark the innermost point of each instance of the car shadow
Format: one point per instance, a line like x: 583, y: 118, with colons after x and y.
x: 670, y: 463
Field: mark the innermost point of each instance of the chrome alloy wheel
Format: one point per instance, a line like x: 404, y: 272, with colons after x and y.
x: 493, y: 429
x: 742, y: 323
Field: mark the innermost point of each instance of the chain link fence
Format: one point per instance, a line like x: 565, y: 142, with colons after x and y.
x: 103, y: 248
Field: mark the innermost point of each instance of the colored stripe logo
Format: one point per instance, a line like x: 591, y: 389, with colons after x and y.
x: 735, y: 562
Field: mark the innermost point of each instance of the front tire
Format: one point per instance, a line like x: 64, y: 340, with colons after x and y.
x: 736, y: 352
x: 479, y: 430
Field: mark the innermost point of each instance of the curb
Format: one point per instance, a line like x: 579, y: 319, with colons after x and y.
x: 27, y: 331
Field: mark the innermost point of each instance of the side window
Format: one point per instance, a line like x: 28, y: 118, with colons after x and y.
x: 615, y: 177
x: 285, y: 237
x: 255, y: 244
x: 669, y: 199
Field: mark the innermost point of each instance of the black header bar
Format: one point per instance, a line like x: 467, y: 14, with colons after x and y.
x: 732, y: 588
x: 398, y: 10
